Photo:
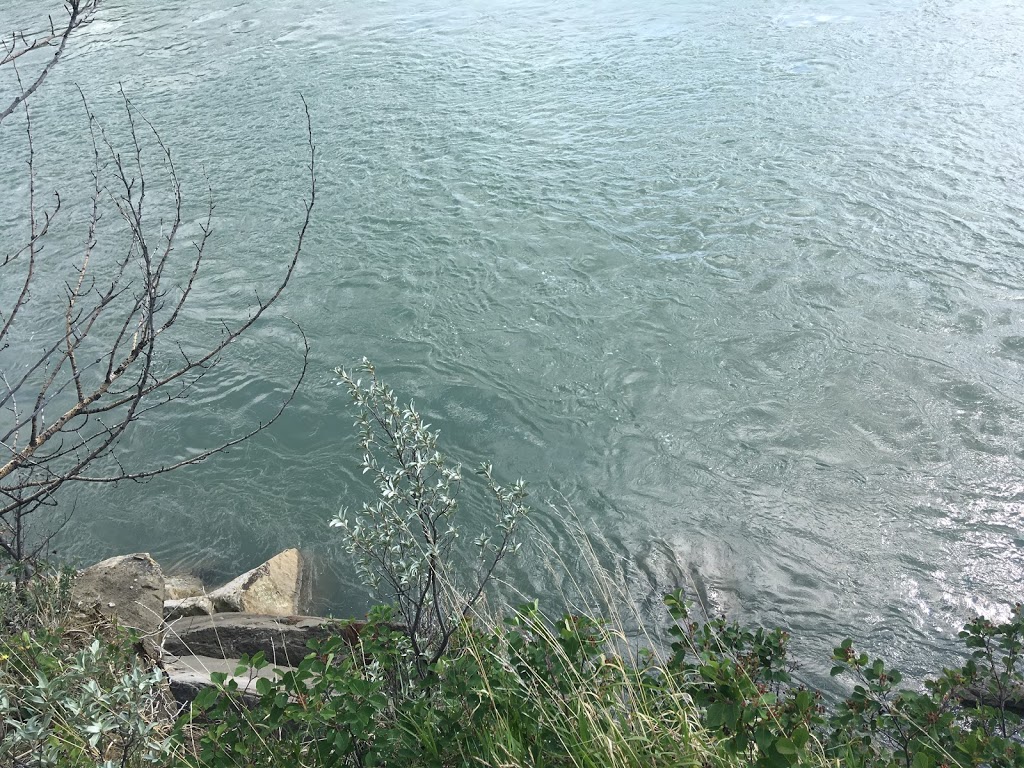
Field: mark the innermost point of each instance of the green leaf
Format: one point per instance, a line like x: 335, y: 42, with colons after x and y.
x: 205, y: 699
x: 263, y: 686
x: 342, y: 741
x: 785, y: 746
x: 716, y: 715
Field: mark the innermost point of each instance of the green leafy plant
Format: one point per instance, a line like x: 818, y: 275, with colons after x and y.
x: 325, y: 712
x: 742, y: 681
x: 35, y: 598
x: 569, y: 693
x: 535, y: 692
x: 404, y: 541
x: 98, y: 705
x: 529, y: 692
x: 970, y: 716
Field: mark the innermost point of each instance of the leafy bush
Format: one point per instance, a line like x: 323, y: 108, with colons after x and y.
x: 741, y: 680
x: 528, y: 693
x: 404, y: 541
x: 325, y: 712
x: 531, y: 692
x: 34, y: 599
x: 970, y: 716
x: 964, y: 717
x: 93, y: 706
x: 535, y: 693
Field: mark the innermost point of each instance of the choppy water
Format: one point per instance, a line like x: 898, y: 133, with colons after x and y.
x: 741, y: 282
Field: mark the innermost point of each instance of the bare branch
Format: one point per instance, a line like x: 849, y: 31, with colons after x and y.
x: 111, y: 357
x: 80, y: 12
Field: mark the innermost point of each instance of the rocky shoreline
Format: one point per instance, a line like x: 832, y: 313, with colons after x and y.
x: 191, y: 631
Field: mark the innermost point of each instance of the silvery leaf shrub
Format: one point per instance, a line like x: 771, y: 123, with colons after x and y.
x: 403, y: 541
x: 97, y: 706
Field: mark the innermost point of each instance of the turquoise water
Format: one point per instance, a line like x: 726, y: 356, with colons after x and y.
x: 740, y: 283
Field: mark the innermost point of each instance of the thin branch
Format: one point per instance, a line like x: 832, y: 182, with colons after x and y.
x: 105, y: 369
x: 204, y: 455
x: 123, y: 380
x: 79, y: 12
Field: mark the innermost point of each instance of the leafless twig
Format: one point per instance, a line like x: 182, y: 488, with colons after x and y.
x: 71, y: 393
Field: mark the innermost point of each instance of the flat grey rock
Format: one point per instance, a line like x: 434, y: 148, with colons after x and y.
x: 187, y: 676
x: 230, y: 635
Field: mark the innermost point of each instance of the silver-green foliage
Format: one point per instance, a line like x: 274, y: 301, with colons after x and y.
x: 404, y: 541
x: 99, y: 706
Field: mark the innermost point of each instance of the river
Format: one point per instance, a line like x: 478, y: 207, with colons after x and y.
x: 739, y: 283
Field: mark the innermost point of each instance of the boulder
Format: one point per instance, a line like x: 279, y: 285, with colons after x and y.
x: 183, y: 586
x: 188, y: 675
x: 275, y: 588
x: 200, y: 605
x: 128, y: 590
x: 230, y: 635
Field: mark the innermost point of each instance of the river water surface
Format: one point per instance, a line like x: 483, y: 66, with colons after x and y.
x: 740, y: 282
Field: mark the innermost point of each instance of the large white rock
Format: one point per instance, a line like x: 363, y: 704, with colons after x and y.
x: 273, y: 588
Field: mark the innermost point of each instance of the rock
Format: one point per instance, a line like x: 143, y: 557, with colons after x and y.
x: 200, y: 605
x: 281, y: 638
x: 1012, y: 700
x: 129, y: 590
x: 188, y: 675
x: 183, y: 586
x: 275, y: 588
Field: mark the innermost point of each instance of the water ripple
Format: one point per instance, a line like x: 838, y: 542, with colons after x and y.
x: 741, y: 284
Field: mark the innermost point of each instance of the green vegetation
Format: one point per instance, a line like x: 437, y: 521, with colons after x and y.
x: 527, y: 692
x: 71, y: 698
x: 535, y: 693
x: 405, y: 541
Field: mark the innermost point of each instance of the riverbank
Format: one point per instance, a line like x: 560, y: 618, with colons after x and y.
x: 78, y: 688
